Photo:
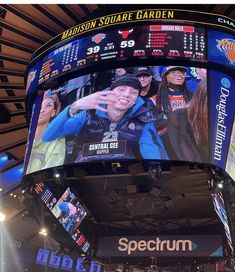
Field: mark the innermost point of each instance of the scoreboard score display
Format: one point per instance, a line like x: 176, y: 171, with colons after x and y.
x: 167, y: 41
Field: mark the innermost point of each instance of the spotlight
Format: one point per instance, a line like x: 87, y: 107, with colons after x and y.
x: 116, y: 166
x: 216, y: 183
x: 2, y: 217
x: 220, y: 185
x: 57, y: 175
x: 155, y: 171
x: 43, y: 232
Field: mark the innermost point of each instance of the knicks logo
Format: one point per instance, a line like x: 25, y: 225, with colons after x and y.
x: 98, y: 37
x: 227, y: 46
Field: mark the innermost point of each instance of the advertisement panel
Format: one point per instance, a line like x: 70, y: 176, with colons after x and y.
x: 124, y: 114
x: 221, y: 48
x: 222, y: 101
x: 164, y: 246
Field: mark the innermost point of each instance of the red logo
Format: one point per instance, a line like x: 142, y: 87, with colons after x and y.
x: 125, y: 33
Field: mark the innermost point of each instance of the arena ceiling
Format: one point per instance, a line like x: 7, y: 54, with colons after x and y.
x: 23, y: 29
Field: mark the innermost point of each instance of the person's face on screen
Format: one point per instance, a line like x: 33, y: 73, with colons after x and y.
x: 145, y: 79
x: 176, y: 77
x: 47, y: 111
x: 125, y: 97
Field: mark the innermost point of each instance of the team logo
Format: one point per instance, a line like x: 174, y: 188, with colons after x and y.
x: 227, y: 46
x: 125, y: 33
x: 98, y: 37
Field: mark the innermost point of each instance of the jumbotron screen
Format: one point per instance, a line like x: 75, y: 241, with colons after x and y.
x: 188, y: 117
x: 108, y: 116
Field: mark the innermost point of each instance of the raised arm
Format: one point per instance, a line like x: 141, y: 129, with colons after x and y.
x: 64, y: 125
x: 72, y: 118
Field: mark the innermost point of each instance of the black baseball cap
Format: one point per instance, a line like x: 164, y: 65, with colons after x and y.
x: 143, y: 70
x: 127, y: 80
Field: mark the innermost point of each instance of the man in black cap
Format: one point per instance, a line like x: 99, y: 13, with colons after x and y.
x: 148, y: 83
x: 109, y: 125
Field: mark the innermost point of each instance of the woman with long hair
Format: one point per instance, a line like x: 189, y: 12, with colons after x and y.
x: 172, y: 101
x: 44, y: 155
x: 198, y: 118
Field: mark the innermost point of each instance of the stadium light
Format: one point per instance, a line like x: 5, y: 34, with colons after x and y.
x: 2, y: 217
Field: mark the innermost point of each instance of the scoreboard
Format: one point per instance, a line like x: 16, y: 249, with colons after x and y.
x: 165, y: 41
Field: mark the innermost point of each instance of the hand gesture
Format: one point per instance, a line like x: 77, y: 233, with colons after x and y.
x: 93, y: 101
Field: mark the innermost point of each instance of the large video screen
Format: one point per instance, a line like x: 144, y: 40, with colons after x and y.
x: 67, y: 210
x: 156, y: 113
x: 171, y: 41
x: 219, y: 206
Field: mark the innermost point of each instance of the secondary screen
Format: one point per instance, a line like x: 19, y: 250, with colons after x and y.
x: 219, y: 206
x: 67, y: 210
x: 157, y: 113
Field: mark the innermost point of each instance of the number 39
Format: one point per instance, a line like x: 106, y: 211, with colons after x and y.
x: 93, y: 50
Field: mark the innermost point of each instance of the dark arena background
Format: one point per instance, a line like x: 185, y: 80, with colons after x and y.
x: 117, y: 138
